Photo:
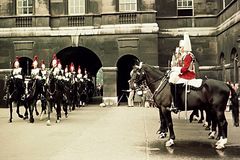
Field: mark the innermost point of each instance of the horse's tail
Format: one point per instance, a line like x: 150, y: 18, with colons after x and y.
x: 234, y: 106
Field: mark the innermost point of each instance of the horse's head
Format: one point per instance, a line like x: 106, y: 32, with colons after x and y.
x: 137, y: 76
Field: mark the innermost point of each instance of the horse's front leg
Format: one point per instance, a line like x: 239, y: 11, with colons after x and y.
x: 44, y: 107
x: 167, y: 116
x: 11, y: 110
x: 50, y: 105
x: 35, y: 107
x: 162, y: 131
x: 18, y: 112
x: 26, y: 111
x: 222, y: 128
x: 31, y: 108
x: 58, y: 110
x: 213, y: 125
x: 202, y: 116
x: 65, y: 109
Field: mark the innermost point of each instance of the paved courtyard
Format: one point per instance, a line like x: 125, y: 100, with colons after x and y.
x: 109, y: 133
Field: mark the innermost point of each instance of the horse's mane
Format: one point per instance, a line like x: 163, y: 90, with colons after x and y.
x: 153, y: 70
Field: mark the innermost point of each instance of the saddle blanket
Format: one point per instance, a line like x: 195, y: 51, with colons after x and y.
x: 193, y: 82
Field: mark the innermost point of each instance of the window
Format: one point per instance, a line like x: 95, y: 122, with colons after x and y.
x: 76, y: 7
x: 24, y: 7
x: 127, y: 5
x: 185, y: 7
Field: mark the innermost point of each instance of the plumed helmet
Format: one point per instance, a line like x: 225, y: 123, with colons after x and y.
x: 177, y: 50
x: 79, y: 69
x: 59, y: 63
x: 66, y: 69
x: 16, y: 62
x: 35, y: 61
x: 43, y: 64
x: 187, y: 43
x: 181, y: 43
x: 54, y: 60
x: 72, y: 67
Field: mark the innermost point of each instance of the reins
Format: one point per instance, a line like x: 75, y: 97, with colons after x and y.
x: 161, y: 86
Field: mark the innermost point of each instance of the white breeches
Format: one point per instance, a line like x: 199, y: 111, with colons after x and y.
x: 175, y: 71
x: 174, y: 76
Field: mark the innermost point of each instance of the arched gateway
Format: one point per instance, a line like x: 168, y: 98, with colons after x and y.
x: 124, y: 67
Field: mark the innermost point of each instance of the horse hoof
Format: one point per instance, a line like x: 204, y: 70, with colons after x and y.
x: 190, y: 119
x: 211, y: 135
x: 10, y: 121
x: 207, y: 128
x: 31, y: 120
x: 220, y: 146
x: 48, y: 123
x: 41, y: 117
x: 162, y: 135
x: 169, y: 143
x: 66, y: 116
x: 205, y: 124
x: 217, y: 138
x: 25, y: 117
x: 20, y: 116
x: 222, y: 141
x: 200, y: 121
x: 58, y: 121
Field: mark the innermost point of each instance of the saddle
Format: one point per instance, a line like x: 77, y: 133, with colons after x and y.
x: 196, y: 83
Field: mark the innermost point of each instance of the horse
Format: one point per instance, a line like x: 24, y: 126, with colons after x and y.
x: 89, y: 89
x: 212, y: 97
x: 68, y: 96
x: 54, y: 96
x: 80, y: 96
x: 14, y: 89
x: 34, y: 90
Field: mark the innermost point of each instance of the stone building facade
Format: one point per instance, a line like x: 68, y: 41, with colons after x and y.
x: 112, y: 34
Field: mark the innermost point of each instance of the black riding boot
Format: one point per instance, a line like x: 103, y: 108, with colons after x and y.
x: 174, y: 92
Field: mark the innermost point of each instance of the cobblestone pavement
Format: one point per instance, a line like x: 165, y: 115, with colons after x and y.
x: 110, y: 133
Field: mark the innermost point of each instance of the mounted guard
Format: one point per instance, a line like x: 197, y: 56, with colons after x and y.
x: 18, y: 76
x: 182, y: 72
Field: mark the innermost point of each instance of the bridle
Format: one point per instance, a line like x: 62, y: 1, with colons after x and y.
x: 161, y: 85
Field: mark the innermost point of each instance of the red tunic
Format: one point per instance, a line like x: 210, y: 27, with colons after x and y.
x: 186, y: 71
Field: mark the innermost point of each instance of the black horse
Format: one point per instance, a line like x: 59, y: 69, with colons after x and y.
x: 212, y: 96
x: 54, y: 96
x: 69, y: 94
x: 15, y: 89
x: 34, y: 90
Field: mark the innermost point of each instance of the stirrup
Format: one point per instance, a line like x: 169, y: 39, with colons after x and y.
x: 174, y: 109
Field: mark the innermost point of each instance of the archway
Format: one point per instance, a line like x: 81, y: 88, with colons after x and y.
x: 80, y: 56
x: 85, y: 58
x: 222, y: 75
x: 26, y: 64
x: 233, y: 71
x: 124, y: 66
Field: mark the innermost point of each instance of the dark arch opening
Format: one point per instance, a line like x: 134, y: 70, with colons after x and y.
x: 26, y: 64
x: 124, y: 66
x: 87, y: 60
x: 80, y: 56
x: 233, y: 71
x: 221, y: 62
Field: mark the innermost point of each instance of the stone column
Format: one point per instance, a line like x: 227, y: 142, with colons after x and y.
x: 110, y: 86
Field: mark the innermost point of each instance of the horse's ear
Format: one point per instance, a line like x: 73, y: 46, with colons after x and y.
x: 138, y: 67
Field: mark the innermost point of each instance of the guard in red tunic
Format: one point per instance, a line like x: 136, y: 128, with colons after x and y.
x: 181, y: 74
